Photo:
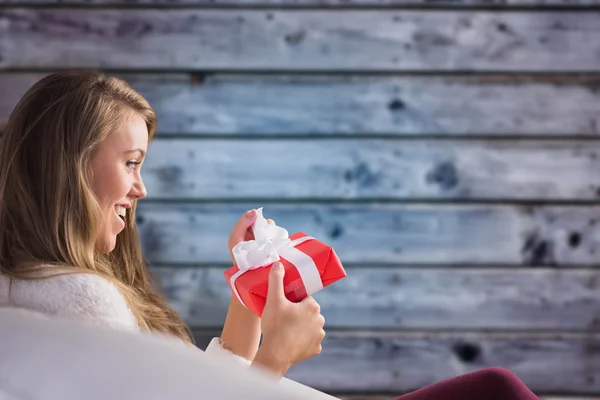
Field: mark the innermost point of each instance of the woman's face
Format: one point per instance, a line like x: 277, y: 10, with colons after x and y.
x: 116, y: 179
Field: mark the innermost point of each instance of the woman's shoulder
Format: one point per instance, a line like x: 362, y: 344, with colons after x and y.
x: 84, y: 296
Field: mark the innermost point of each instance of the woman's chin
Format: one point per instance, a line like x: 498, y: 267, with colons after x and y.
x: 107, y: 245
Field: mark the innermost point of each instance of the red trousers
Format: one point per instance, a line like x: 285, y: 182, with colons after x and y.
x: 486, y: 384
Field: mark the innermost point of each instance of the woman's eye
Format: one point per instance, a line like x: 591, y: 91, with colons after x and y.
x: 132, y: 164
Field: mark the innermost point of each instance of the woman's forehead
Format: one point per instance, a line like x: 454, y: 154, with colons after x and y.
x: 132, y: 134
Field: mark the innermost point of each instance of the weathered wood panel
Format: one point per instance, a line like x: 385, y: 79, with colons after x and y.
x: 314, y: 3
x: 330, y: 105
x: 373, y: 169
x: 366, y: 40
x: 12, y: 88
x: 398, y: 362
x: 371, y: 297
x: 386, y: 233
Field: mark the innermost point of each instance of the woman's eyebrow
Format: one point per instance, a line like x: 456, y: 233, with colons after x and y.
x: 142, y: 152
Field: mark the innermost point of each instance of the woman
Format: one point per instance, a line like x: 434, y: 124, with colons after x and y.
x: 70, y: 178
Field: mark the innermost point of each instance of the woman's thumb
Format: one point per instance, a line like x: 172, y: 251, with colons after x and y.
x: 275, y: 290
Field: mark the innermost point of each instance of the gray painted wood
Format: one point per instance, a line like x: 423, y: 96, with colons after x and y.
x: 314, y: 3
x: 413, y: 298
x: 378, y: 234
x: 12, y: 87
x: 394, y: 362
x: 330, y: 105
x: 373, y: 169
x: 371, y: 235
x: 367, y: 40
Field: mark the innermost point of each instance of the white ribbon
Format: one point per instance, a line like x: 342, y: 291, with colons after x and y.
x: 272, y: 243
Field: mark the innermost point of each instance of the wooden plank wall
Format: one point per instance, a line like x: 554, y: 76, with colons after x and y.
x: 448, y: 151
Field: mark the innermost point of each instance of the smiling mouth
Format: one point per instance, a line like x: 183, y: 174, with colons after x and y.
x: 121, y: 212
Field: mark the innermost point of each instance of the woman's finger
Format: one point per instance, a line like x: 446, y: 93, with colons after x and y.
x: 238, y: 233
x: 270, y: 222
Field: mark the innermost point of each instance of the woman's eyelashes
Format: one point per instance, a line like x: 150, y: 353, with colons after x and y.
x: 132, y: 164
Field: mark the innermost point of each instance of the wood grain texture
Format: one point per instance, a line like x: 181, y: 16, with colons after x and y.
x: 12, y: 87
x: 407, y: 298
x: 395, y: 362
x: 313, y: 3
x: 366, y: 40
x: 381, y: 233
x: 348, y: 105
x: 373, y: 169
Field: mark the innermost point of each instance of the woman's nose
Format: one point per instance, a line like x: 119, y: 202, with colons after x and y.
x: 138, y: 190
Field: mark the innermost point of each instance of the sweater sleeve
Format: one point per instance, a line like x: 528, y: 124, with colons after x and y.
x: 216, y: 347
x: 85, y: 297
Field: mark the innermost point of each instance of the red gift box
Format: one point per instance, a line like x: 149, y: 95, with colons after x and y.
x: 252, y: 285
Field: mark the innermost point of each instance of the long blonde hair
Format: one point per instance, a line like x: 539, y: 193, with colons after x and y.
x: 48, y: 212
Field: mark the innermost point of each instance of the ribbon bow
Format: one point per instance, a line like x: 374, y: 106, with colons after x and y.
x: 264, y: 249
x: 272, y: 243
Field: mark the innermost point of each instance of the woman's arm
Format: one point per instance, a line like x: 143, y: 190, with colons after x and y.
x: 241, y: 332
x: 270, y: 359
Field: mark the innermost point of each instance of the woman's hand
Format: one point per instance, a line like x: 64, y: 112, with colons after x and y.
x: 242, y: 231
x: 241, y: 332
x: 292, y: 332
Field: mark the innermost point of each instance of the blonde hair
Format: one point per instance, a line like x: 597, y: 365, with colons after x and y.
x: 48, y: 212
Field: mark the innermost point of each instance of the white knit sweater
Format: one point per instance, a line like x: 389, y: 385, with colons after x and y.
x: 88, y: 298
x: 94, y: 300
